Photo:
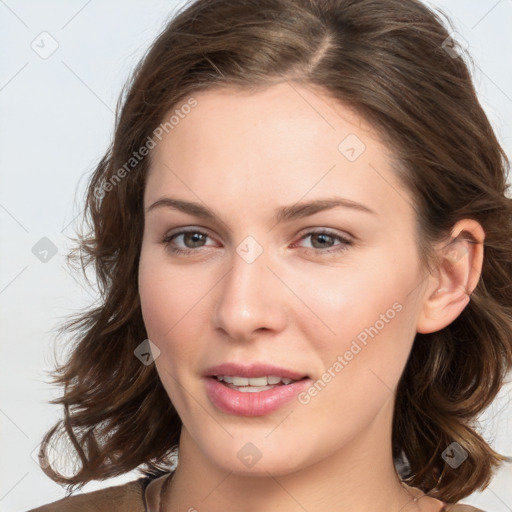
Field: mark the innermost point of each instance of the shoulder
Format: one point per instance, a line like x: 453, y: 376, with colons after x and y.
x: 461, y: 508
x: 122, y: 498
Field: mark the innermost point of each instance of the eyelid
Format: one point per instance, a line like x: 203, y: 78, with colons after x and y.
x: 328, y: 231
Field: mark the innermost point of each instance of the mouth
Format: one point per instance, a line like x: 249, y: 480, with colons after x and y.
x: 254, y: 384
x: 254, y: 390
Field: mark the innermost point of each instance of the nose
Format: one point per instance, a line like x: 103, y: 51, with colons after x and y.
x: 251, y: 299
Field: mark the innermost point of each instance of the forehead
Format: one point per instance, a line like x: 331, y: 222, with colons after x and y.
x: 280, y: 144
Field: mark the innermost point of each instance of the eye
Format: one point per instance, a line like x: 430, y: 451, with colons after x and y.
x: 191, y: 238
x: 323, y: 241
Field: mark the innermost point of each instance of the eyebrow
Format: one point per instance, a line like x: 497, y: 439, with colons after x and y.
x: 282, y: 214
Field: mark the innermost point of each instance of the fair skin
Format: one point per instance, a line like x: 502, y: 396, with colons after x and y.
x: 243, y: 155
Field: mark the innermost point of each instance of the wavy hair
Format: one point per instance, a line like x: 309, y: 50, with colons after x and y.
x: 394, y: 63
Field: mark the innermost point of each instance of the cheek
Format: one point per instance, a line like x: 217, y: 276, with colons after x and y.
x: 172, y: 303
x: 164, y: 308
x: 153, y: 298
x: 344, y: 302
x: 162, y: 304
x: 364, y: 325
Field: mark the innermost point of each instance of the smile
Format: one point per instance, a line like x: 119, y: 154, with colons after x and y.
x: 253, y: 384
x: 254, y: 396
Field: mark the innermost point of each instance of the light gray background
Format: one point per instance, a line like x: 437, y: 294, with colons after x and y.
x: 56, y: 121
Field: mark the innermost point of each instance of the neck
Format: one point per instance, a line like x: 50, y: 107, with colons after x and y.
x: 358, y: 477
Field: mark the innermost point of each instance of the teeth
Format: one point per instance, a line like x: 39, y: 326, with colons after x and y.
x: 253, y: 389
x: 257, y: 382
x: 240, y: 381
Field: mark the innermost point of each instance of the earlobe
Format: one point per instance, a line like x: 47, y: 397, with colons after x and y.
x: 456, y: 276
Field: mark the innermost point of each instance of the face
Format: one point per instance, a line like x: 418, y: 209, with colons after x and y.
x: 278, y: 242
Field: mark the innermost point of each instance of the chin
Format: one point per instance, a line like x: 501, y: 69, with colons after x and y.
x: 255, y: 453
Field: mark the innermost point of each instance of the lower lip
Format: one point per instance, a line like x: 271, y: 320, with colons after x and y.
x: 258, y: 403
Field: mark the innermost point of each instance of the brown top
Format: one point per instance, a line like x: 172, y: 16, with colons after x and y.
x: 130, y: 497
x: 121, y: 498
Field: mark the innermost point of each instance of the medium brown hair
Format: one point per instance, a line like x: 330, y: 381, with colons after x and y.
x: 387, y: 59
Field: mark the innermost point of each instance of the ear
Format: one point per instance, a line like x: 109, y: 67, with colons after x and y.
x: 455, y: 277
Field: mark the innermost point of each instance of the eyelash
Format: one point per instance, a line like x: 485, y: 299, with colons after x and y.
x: 343, y: 246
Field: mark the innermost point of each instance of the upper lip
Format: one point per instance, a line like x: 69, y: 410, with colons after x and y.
x: 252, y: 370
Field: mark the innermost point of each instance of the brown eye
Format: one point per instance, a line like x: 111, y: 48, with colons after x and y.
x: 185, y: 241
x: 322, y: 239
x: 324, y: 242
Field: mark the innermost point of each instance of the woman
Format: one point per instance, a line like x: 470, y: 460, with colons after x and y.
x: 289, y: 236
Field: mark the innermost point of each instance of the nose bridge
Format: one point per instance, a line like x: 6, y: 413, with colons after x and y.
x: 250, y: 298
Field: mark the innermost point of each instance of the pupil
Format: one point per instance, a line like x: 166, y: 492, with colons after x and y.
x: 196, y: 237
x: 324, y: 237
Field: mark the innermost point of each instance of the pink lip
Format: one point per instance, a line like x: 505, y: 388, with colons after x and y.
x: 253, y: 370
x: 259, y: 403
